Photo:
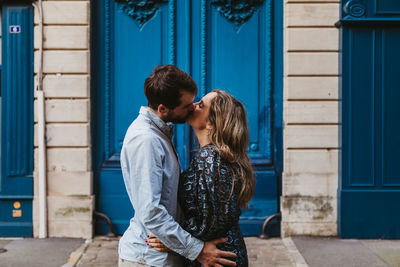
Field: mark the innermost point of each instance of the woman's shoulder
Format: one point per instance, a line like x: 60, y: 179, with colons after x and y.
x: 207, y: 151
x: 204, y: 158
x: 210, y: 148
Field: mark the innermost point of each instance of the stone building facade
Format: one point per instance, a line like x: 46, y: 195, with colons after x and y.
x: 310, y: 117
x: 66, y: 85
x: 310, y: 177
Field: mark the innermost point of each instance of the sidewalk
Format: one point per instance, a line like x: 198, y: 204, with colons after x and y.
x: 262, y: 253
x: 331, y: 252
x: 287, y: 252
x: 34, y: 252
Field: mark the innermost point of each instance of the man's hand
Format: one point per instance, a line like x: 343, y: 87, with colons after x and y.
x: 211, y: 256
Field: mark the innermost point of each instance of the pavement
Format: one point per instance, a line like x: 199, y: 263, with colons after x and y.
x: 261, y: 252
x: 102, y: 251
x: 330, y: 252
x: 32, y: 252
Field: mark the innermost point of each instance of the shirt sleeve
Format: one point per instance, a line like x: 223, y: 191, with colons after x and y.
x: 212, y: 194
x: 145, y: 163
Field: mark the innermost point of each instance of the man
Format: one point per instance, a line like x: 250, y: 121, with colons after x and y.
x: 151, y: 171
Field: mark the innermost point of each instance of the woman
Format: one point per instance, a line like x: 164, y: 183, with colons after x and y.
x: 219, y: 180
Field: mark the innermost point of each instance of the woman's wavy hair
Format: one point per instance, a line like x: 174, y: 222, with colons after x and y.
x: 230, y: 134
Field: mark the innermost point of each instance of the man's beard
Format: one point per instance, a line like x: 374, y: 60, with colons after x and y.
x: 176, y: 119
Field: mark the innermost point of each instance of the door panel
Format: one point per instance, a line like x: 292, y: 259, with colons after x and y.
x: 220, y: 48
x: 238, y: 65
x: 135, y: 53
x: 390, y: 141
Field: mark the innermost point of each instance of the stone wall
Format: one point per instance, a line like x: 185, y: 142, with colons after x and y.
x: 66, y: 87
x: 310, y: 178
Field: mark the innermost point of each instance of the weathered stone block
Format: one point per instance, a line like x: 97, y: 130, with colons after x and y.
x: 70, y: 208
x: 63, y: 61
x: 300, y: 112
x: 68, y: 217
x: 311, y: 136
x: 64, y: 12
x: 316, y: 63
x: 300, y: 208
x: 66, y: 135
x: 63, y: 37
x: 312, y: 39
x: 311, y: 88
x: 73, y: 229
x: 312, y: 14
x: 308, y: 228
x: 310, y: 184
x: 311, y: 161
x: 67, y: 159
x: 66, y: 110
x: 66, y: 85
x: 69, y: 183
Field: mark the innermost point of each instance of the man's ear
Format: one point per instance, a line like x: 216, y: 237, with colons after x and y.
x: 162, y: 109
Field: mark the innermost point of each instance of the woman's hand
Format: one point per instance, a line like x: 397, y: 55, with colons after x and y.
x: 155, y: 243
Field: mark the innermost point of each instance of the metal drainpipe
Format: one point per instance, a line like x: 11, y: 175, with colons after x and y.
x: 42, y: 169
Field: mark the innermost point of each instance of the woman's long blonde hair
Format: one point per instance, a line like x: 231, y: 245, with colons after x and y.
x: 230, y: 134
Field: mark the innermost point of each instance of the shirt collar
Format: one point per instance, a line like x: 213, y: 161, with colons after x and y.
x: 166, y: 128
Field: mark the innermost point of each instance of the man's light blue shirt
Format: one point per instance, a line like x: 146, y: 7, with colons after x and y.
x: 151, y: 171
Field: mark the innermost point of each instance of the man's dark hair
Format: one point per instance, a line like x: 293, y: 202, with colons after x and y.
x: 165, y: 84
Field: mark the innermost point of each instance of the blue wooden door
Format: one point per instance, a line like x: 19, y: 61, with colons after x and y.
x: 16, y: 181
x: 222, y: 44
x: 370, y: 90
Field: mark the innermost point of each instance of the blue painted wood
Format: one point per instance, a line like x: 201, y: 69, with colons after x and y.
x: 17, y: 120
x: 373, y: 10
x: 15, y: 226
x: 387, y: 7
x: 370, y: 180
x: 183, y: 134
x: 113, y: 202
x: 277, y: 91
x: 196, y: 37
x: 374, y: 214
x: 17, y: 97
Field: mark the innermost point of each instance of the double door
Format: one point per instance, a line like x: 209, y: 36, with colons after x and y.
x: 221, y: 44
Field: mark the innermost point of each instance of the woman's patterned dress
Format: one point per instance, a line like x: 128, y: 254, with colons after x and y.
x: 210, y: 207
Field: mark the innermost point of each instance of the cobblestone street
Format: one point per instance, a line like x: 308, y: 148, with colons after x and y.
x: 103, y: 252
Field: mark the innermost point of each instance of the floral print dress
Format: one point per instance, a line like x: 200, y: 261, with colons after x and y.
x: 210, y: 207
